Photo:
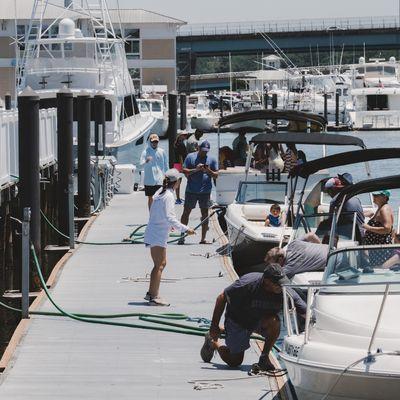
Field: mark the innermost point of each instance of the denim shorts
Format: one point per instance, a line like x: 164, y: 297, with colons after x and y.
x: 238, y: 338
x: 191, y: 200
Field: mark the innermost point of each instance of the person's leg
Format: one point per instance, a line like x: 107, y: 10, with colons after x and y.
x: 159, y: 256
x: 178, y: 190
x: 204, y: 226
x: 270, y: 328
x: 149, y: 201
x: 232, y: 360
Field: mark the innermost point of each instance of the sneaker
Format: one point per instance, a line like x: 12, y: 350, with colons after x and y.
x: 158, y: 301
x: 178, y: 201
x: 181, y: 241
x: 265, y: 364
x: 207, y: 351
x: 148, y: 296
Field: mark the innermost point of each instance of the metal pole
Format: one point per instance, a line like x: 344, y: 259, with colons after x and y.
x: 326, y: 106
x: 221, y: 106
x: 266, y: 98
x: 29, y: 168
x: 274, y: 100
x: 172, y: 125
x: 65, y: 162
x: 7, y: 101
x: 84, y: 175
x: 99, y: 124
x: 183, y: 121
x: 337, y: 109
x: 25, y: 262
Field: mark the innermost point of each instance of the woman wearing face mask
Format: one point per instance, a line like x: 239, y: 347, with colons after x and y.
x: 162, y: 219
x: 379, y: 228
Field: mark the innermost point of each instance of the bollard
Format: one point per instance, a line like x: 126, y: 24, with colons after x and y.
x: 7, y: 101
x: 337, y: 109
x: 84, y: 175
x: 29, y: 169
x: 65, y: 162
x: 99, y: 104
x: 326, y: 106
x: 274, y: 101
x: 25, y: 260
x: 221, y: 106
x: 266, y: 98
x: 172, y: 125
x: 183, y: 121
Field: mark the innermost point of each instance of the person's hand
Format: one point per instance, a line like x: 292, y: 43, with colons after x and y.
x: 215, y: 331
x: 148, y: 159
x: 365, y: 226
x: 199, y: 167
x: 190, y: 231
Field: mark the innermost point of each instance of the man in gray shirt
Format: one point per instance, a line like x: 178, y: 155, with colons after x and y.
x: 302, y: 255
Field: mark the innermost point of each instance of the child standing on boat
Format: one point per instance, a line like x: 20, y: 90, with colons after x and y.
x: 162, y: 219
x: 274, y: 217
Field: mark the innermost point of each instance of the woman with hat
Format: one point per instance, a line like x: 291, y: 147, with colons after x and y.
x: 162, y: 219
x: 379, y: 228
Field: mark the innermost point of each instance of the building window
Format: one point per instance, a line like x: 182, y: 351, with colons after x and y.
x: 135, y: 74
x: 132, y: 43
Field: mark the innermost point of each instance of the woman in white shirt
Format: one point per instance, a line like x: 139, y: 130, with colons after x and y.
x: 162, y: 219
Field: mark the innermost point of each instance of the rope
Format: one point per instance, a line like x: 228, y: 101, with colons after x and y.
x: 146, y: 278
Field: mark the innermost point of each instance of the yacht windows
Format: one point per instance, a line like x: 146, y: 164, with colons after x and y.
x: 130, y: 107
x: 135, y: 76
x: 156, y: 107
x: 144, y: 106
x: 377, y: 102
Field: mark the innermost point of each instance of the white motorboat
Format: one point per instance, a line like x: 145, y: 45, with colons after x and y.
x: 89, y: 59
x: 350, y: 347
x: 153, y: 107
x: 249, y: 238
x: 376, y: 95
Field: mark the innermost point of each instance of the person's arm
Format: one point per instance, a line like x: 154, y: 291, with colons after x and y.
x: 143, y: 159
x: 165, y: 166
x: 394, y: 260
x: 217, y: 314
x: 386, y: 220
x: 212, y: 169
x: 267, y: 222
x: 171, y: 217
x: 188, y: 167
x: 299, y: 303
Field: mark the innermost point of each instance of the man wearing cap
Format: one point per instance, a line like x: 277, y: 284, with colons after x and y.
x: 154, y: 162
x: 192, y: 144
x: 251, y: 304
x: 199, y: 168
x: 333, y: 187
x: 240, y: 148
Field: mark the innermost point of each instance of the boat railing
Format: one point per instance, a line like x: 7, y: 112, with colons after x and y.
x: 9, y: 143
x: 290, y: 313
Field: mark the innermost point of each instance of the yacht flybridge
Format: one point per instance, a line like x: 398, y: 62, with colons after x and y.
x: 83, y: 54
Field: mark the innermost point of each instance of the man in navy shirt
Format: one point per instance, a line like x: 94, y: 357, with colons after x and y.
x: 199, y: 168
x: 252, y: 304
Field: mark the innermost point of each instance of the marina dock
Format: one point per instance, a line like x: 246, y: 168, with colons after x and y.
x: 59, y: 358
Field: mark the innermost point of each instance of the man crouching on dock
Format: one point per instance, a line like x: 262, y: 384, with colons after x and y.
x: 252, y: 303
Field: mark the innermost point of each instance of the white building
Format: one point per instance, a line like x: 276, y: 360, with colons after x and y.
x: 150, y: 41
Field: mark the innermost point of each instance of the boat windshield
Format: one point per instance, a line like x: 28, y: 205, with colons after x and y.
x: 144, y: 106
x: 320, y: 224
x: 262, y: 192
x: 366, y: 264
x: 156, y: 106
x: 375, y: 71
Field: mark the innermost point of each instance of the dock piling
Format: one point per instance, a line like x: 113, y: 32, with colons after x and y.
x: 25, y: 261
x: 99, y: 124
x: 7, y: 101
x: 221, y: 106
x: 274, y: 101
x: 183, y: 121
x: 266, y: 98
x: 29, y: 169
x: 337, y: 109
x: 326, y: 106
x: 172, y: 125
x: 65, y: 163
x: 84, y: 175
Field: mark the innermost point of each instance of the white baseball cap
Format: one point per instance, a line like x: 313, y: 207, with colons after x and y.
x: 173, y: 175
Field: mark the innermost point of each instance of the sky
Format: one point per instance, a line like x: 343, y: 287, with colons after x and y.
x: 209, y: 11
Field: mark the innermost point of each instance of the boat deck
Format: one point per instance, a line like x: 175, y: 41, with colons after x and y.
x: 59, y: 358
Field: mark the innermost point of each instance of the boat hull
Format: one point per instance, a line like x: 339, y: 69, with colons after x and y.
x: 313, y: 382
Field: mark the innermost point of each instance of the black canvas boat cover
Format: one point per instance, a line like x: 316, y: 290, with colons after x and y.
x: 347, y: 158
x: 287, y: 115
x: 308, y: 138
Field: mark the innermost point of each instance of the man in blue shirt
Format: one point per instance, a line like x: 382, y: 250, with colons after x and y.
x: 199, y: 168
x: 154, y: 163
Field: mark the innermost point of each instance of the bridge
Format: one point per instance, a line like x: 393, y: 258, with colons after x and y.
x: 309, y: 41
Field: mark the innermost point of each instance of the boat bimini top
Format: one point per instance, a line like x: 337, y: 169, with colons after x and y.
x: 308, y: 138
x: 268, y: 114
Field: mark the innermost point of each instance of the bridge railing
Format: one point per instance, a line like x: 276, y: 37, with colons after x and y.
x: 301, y: 25
x: 9, y: 142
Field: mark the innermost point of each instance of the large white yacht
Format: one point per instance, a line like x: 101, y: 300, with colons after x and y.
x: 88, y: 59
x: 376, y: 95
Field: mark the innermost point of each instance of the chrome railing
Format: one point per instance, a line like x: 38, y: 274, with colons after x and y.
x: 300, y: 25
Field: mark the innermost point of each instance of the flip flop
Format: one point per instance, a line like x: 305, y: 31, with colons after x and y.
x: 205, y: 242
